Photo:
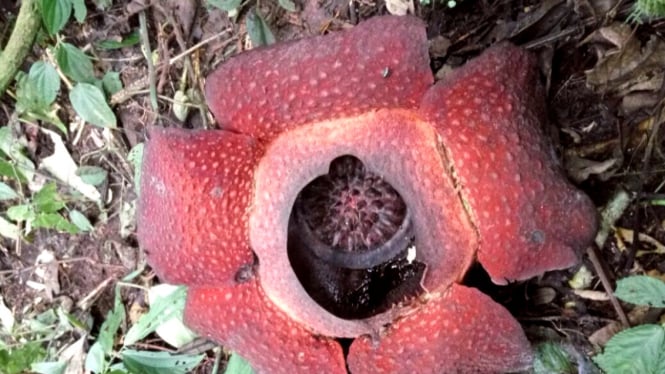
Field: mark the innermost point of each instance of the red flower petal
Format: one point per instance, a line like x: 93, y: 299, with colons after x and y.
x: 463, y: 331
x: 244, y: 321
x: 395, y: 144
x: 381, y: 63
x: 195, y: 191
x: 529, y: 217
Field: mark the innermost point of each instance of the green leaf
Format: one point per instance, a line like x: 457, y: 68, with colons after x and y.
x: 93, y: 175
x: 9, y: 171
x: 74, y: 63
x: 552, y: 359
x: 89, y: 103
x: 49, y: 367
x: 12, y: 147
x: 80, y: 11
x: 144, y: 362
x: 18, y: 360
x: 55, y: 14
x: 288, y: 5
x: 127, y: 41
x: 47, y: 199
x: 258, y: 29
x: 54, y: 221
x: 226, y: 5
x: 37, y: 91
x: 238, y: 365
x: 161, y: 311
x: 640, y: 349
x: 80, y: 220
x: 642, y: 290
x: 20, y: 213
x: 135, y: 156
x: 7, y: 193
x: 110, y: 326
x: 95, y: 360
x: 111, y: 82
x: 10, y: 231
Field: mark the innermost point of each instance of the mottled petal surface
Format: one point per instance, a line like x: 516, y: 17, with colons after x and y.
x: 381, y: 63
x: 395, y: 144
x: 461, y: 331
x: 489, y: 114
x: 244, y: 321
x: 195, y: 192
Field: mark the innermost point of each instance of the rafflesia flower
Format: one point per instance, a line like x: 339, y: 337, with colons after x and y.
x: 329, y: 224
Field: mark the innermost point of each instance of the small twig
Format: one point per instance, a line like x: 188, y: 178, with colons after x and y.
x: 602, y: 275
x: 646, y: 166
x: 196, y: 46
x: 218, y: 360
x: 147, y: 53
x: 59, y: 262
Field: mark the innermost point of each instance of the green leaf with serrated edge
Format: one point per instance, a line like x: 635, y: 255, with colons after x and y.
x: 36, y: 91
x: 132, y: 39
x: 238, y: 365
x: 135, y: 156
x: 642, y: 290
x: 161, y: 311
x: 46, y: 80
x: 640, y: 349
x: 55, y: 14
x: 258, y: 29
x: 111, y: 82
x: 227, y: 5
x: 93, y: 175
x: 288, y: 5
x: 80, y: 220
x: 89, y: 103
x: 80, y: 11
x: 145, y: 362
x: 7, y: 193
x: 74, y: 63
x: 551, y: 358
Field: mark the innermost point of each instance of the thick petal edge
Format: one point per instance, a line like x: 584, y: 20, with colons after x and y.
x: 244, y: 321
x: 462, y: 331
x: 529, y: 217
x: 195, y: 191
x: 381, y: 63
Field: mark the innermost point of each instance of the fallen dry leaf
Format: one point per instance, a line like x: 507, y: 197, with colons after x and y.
x: 626, y: 68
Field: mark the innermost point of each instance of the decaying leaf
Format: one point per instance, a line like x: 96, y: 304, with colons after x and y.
x: 61, y: 165
x: 628, y: 236
x: 626, y: 68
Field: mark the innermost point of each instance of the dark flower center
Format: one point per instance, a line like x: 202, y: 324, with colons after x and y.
x: 350, y: 237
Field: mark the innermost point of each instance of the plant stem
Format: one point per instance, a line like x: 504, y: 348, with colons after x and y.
x: 27, y: 24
